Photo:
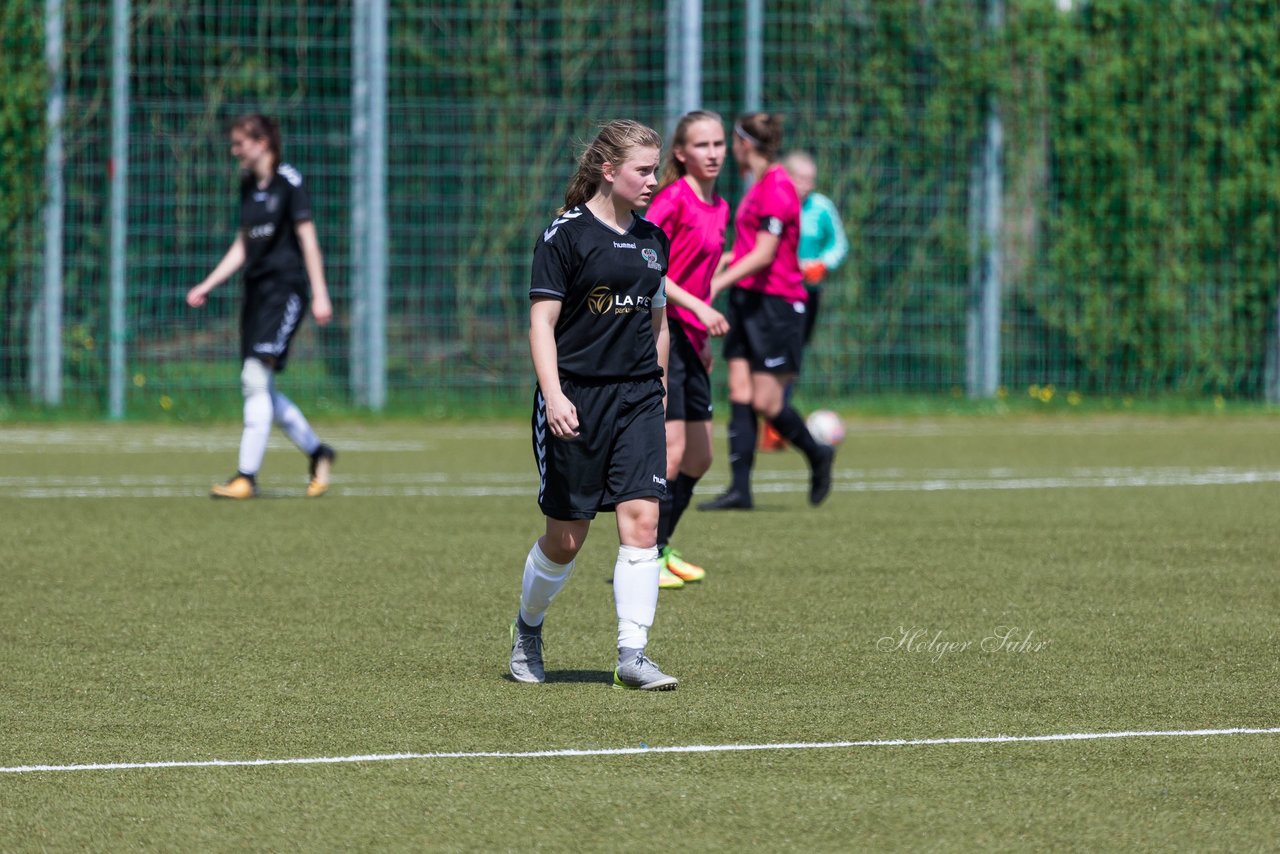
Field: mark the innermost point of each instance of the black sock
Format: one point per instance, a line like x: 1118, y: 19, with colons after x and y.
x: 525, y: 629
x: 791, y: 427
x: 683, y: 493
x: 666, y: 517
x: 253, y: 478
x: 742, y: 445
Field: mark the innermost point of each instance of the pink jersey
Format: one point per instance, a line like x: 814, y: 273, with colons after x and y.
x: 771, y: 205
x: 696, y: 230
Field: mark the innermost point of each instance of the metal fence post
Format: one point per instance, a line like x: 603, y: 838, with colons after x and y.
x: 753, y: 88
x: 368, y: 204
x: 120, y: 26
x: 983, y: 327
x: 46, y: 361
x: 377, y: 239
x: 684, y: 59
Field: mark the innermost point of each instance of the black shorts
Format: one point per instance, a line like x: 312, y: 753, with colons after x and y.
x: 765, y: 330
x: 620, y: 453
x: 688, y: 386
x: 268, y: 323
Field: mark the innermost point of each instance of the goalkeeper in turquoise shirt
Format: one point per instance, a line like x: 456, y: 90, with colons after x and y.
x: 823, y: 248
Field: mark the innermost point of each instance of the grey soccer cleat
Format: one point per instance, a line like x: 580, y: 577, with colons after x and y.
x: 526, y: 655
x: 637, y: 672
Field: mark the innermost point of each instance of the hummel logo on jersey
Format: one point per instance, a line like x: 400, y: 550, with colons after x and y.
x: 260, y: 231
x: 775, y: 362
x: 617, y: 245
x: 557, y: 222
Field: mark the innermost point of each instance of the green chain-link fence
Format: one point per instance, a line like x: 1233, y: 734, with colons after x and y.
x: 1139, y: 184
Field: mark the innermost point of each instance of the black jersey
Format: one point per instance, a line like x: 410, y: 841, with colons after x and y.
x: 267, y: 219
x: 607, y: 283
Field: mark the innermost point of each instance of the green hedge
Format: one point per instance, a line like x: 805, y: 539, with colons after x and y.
x: 1157, y: 267
x: 1141, y: 176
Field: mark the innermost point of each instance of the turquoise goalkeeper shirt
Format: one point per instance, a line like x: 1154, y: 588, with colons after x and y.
x: 821, y: 232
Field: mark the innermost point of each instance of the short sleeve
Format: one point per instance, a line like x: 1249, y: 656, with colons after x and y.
x: 660, y: 298
x: 777, y: 207
x: 550, y: 277
x: 299, y: 198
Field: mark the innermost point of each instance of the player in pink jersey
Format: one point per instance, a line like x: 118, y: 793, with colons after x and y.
x: 687, y: 208
x: 766, y: 314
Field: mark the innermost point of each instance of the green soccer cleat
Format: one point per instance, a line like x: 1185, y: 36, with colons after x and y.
x: 668, y: 580
x: 675, y: 564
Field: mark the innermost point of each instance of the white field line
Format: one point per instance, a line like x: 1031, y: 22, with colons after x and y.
x: 635, y: 751
x: 486, y: 485
x: 134, y: 439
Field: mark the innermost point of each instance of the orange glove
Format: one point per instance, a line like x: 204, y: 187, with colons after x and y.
x: 814, y: 272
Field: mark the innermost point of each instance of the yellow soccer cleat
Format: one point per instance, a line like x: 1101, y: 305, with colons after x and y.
x: 321, y: 467
x: 239, y: 487
x: 679, y: 567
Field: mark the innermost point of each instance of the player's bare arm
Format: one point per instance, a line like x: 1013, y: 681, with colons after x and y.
x: 232, y: 261
x: 662, y: 335
x: 321, y: 307
x: 715, y: 322
x: 760, y: 257
x: 562, y: 415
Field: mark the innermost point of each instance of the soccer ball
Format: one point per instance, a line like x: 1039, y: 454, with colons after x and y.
x: 825, y: 427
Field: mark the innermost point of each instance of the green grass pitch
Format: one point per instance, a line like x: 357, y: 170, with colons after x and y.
x: 1128, y: 563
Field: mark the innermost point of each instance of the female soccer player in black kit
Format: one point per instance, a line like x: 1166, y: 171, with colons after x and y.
x: 277, y: 246
x: 598, y: 336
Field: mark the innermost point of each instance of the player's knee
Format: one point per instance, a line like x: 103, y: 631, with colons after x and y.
x: 674, y: 462
x: 640, y: 528
x: 767, y: 404
x: 675, y: 456
x: 696, y: 463
x: 563, y: 545
x: 255, y: 378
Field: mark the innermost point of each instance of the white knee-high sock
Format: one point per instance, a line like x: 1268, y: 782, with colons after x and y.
x: 257, y: 429
x: 294, y: 424
x: 543, y: 579
x: 635, y: 594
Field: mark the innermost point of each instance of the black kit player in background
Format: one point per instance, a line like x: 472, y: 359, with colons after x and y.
x: 598, y: 338
x: 283, y: 270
